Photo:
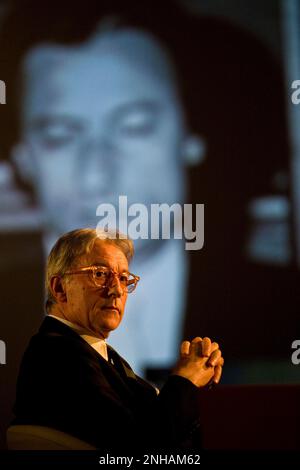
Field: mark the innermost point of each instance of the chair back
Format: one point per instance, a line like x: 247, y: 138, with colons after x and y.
x: 31, y: 437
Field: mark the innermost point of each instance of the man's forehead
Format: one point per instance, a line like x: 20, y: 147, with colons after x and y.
x: 107, y: 254
x: 137, y: 48
x: 110, y: 70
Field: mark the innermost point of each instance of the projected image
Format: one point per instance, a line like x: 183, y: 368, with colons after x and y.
x: 101, y: 119
x: 161, y: 106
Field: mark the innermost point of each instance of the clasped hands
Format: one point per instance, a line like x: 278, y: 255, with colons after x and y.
x: 200, y: 362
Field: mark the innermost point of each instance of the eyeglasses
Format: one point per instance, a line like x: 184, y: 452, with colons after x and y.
x: 103, y: 276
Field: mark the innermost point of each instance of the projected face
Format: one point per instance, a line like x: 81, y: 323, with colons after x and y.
x: 101, y: 120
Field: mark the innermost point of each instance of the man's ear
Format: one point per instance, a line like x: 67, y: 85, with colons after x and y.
x: 193, y: 149
x: 57, y: 289
x: 23, y: 161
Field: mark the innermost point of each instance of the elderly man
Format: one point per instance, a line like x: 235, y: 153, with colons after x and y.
x: 71, y: 380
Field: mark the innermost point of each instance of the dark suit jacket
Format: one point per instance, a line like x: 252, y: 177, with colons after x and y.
x: 64, y: 383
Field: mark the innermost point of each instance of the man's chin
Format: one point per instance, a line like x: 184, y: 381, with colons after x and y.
x: 106, y: 327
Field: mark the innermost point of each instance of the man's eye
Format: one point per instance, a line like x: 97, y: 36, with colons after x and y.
x: 101, y: 274
x: 124, y: 278
x: 137, y: 124
x: 55, y: 137
x: 56, y: 143
x: 53, y: 143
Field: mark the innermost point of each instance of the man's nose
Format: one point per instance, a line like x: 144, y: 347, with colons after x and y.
x: 97, y: 165
x: 115, y: 287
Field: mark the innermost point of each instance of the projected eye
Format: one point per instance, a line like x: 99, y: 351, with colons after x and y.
x: 54, y: 137
x: 137, y: 123
x: 136, y: 119
x: 55, y: 132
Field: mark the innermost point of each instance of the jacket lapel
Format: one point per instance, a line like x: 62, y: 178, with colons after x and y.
x: 119, y: 376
